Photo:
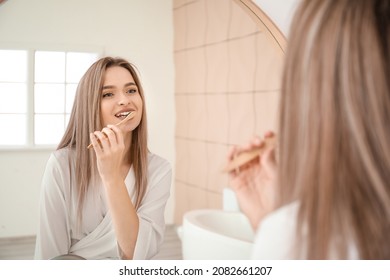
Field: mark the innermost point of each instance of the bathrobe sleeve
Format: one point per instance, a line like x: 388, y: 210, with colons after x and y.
x: 53, y: 238
x: 151, y: 211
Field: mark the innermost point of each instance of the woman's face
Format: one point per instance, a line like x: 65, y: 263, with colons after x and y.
x: 119, y: 97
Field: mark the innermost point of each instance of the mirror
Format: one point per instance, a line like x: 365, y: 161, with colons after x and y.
x: 221, y: 73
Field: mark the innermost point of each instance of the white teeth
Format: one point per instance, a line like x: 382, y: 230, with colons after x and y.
x: 124, y: 114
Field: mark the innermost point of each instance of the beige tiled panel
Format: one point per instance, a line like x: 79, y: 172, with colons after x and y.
x: 180, y: 3
x: 241, y: 23
x: 218, y: 118
x: 182, y: 115
x: 214, y: 200
x: 179, y: 25
x: 196, y: 70
x: 269, y: 64
x: 266, y: 110
x: 182, y: 159
x: 242, y: 64
x: 181, y: 75
x: 196, y: 23
x: 242, y: 118
x: 216, y: 154
x: 197, y: 116
x: 197, y: 164
x: 181, y: 201
x: 218, y: 15
x: 197, y: 198
x: 217, y: 58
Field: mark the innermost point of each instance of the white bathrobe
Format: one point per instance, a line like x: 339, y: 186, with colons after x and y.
x: 95, y: 238
x: 276, y: 236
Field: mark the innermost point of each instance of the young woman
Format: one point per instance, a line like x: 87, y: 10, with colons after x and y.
x: 106, y: 202
x: 325, y: 193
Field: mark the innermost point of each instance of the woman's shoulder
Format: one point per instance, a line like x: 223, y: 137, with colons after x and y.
x: 276, y: 234
x: 158, y: 168
x: 285, y: 213
x: 156, y: 162
x: 61, y: 158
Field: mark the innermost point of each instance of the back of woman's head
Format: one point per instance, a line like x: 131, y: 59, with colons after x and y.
x: 334, y: 126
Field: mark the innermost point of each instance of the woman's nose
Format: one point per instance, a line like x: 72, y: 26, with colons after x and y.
x: 124, y: 100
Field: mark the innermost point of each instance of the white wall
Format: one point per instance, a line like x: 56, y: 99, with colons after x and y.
x: 280, y: 11
x: 139, y: 30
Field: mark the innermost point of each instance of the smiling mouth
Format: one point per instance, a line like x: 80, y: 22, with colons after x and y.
x: 122, y: 115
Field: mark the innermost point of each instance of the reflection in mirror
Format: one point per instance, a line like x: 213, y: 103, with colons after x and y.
x: 46, y: 26
x: 215, y: 92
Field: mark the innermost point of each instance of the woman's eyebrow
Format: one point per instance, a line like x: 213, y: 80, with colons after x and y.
x: 126, y: 85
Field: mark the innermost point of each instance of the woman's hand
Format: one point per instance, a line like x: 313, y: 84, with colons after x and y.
x: 109, y: 148
x: 254, y: 183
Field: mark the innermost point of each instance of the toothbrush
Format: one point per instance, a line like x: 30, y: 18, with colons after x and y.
x: 246, y: 157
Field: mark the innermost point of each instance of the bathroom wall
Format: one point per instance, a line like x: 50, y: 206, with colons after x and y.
x: 227, y: 80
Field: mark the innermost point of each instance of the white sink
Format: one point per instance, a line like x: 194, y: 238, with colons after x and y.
x: 216, y: 235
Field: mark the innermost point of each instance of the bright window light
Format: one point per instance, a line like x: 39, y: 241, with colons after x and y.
x: 45, y: 96
x: 49, y: 67
x: 13, y: 66
x: 49, y: 128
x: 77, y: 64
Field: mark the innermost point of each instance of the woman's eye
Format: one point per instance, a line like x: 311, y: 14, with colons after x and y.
x: 132, y: 90
x: 107, y: 94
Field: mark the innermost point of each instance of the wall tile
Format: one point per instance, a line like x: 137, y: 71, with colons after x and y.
x: 269, y: 64
x: 241, y: 23
x: 242, y: 118
x: 180, y: 3
x: 181, y: 75
x: 197, y: 164
x: 196, y: 70
x: 218, y: 15
x: 182, y: 159
x: 197, y: 112
x: 216, y: 158
x: 242, y: 64
x: 217, y: 118
x: 196, y: 22
x: 217, y: 58
x: 182, y: 115
x: 182, y: 198
x: 214, y: 200
x: 180, y: 26
x: 266, y: 111
x: 198, y: 198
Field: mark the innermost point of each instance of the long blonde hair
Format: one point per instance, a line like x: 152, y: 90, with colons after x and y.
x: 334, y: 127
x: 85, y: 118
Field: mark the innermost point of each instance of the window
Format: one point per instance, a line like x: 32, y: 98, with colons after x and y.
x: 13, y: 96
x: 35, y: 105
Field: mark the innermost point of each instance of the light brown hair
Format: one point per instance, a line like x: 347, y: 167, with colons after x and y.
x: 85, y: 118
x: 334, y: 127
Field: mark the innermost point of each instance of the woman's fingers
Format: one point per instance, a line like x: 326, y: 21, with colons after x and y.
x: 118, y: 134
x: 110, y: 134
x: 108, y: 140
x: 268, y: 162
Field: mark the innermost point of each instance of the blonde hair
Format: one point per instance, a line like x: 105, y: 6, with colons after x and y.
x: 85, y: 118
x: 334, y: 127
